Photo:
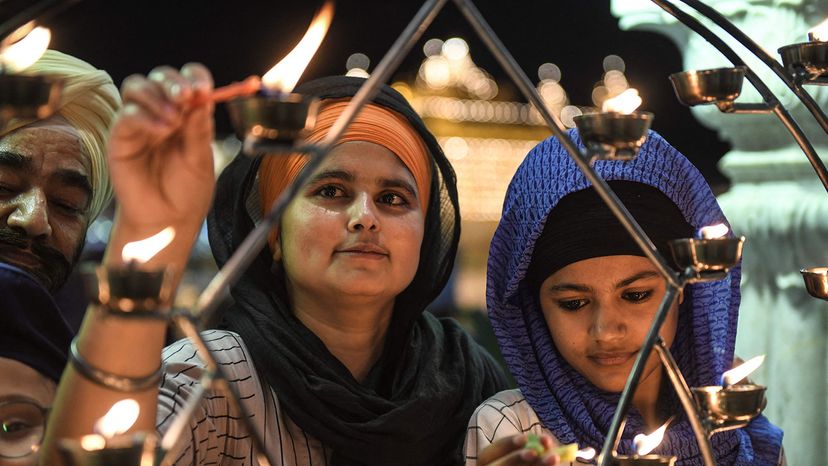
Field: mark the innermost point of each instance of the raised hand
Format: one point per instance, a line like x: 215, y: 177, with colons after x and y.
x: 160, y: 153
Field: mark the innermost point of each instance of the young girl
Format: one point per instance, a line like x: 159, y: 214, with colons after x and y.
x: 571, y: 298
x: 327, y: 342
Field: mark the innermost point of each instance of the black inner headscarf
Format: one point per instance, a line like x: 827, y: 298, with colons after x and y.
x: 581, y: 227
x: 414, y: 405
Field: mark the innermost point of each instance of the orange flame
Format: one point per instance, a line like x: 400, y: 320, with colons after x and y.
x: 286, y: 73
x: 819, y: 32
x: 22, y: 54
x: 120, y: 417
x: 145, y: 249
x: 713, y: 231
x: 647, y: 443
x: 625, y: 102
x: 742, y: 370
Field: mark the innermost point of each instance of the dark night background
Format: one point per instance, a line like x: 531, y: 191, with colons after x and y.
x: 236, y: 39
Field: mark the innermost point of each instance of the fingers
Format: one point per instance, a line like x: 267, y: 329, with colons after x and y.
x: 200, y: 124
x: 165, y: 101
x: 510, y: 451
x: 141, y: 94
x: 201, y: 81
x: 165, y: 93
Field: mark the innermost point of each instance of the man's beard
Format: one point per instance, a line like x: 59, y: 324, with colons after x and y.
x: 53, y: 268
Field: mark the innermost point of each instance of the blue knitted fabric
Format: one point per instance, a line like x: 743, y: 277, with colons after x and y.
x: 567, y: 404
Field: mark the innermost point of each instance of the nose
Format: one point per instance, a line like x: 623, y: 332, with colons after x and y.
x: 362, y: 214
x: 30, y: 214
x: 608, y: 324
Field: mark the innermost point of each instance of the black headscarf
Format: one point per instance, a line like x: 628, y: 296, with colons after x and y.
x: 581, y: 226
x: 32, y: 330
x: 414, y: 405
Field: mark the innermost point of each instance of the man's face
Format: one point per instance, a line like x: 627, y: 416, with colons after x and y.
x: 45, y: 192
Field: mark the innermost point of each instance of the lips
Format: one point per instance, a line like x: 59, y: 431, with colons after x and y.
x: 612, y: 358
x: 364, y: 249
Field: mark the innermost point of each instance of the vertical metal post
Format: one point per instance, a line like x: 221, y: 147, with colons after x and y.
x: 686, y: 398
x: 614, y: 434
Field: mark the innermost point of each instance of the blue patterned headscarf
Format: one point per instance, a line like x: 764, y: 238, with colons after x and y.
x: 567, y: 404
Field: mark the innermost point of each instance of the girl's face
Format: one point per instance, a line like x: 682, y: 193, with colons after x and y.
x: 355, y: 230
x: 599, y: 310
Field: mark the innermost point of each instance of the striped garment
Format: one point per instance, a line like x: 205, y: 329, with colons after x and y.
x: 216, y: 436
x: 503, y: 415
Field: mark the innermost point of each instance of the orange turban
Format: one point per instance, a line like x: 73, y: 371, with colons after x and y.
x: 374, y: 124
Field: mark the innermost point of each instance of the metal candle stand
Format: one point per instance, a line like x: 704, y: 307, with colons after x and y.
x: 621, y: 147
x: 643, y: 460
x: 133, y: 450
x: 807, y: 62
x: 135, y: 291
x: 613, y: 136
x: 816, y: 281
x: 272, y: 123
x: 720, y: 407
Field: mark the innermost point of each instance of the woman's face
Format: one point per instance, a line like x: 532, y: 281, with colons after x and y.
x: 599, y: 310
x: 24, y: 393
x: 355, y: 230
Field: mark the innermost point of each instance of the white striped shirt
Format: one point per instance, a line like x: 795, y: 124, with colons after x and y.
x: 216, y: 435
x: 503, y: 415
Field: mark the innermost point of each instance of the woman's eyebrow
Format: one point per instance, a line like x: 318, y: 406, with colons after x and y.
x: 337, y: 174
x: 629, y: 280
x: 397, y: 183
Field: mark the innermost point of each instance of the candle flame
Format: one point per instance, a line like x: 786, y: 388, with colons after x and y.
x: 819, y: 32
x: 713, y: 231
x: 20, y: 55
x: 284, y: 75
x: 586, y: 454
x: 742, y: 370
x: 625, y: 102
x: 647, y: 443
x: 120, y: 417
x: 146, y: 249
x: 92, y: 442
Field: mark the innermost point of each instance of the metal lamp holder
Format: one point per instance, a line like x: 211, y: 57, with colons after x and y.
x: 208, y: 302
x: 188, y: 320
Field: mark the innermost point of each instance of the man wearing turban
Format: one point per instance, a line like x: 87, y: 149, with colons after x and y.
x: 53, y: 174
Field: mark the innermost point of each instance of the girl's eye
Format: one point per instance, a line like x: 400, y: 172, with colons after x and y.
x: 330, y: 192
x: 637, y: 296
x: 572, y: 304
x: 393, y: 199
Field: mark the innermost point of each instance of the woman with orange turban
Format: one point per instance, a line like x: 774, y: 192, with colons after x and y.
x: 327, y: 341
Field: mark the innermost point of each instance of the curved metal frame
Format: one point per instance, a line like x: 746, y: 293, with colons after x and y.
x: 768, y: 96
x: 250, y: 247
x: 736, y: 33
